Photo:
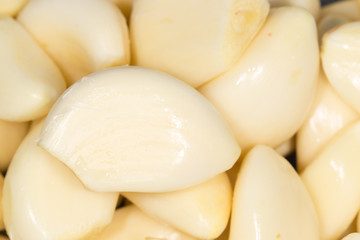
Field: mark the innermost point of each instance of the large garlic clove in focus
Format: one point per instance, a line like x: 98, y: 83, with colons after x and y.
x: 131, y: 129
x: 329, y: 114
x: 81, y: 36
x: 131, y: 223
x: 29, y: 80
x: 313, y: 6
x: 276, y: 76
x: 11, y: 135
x: 333, y: 181
x: 193, y: 40
x: 341, y: 62
x: 43, y: 199
x: 202, y: 211
x: 270, y: 201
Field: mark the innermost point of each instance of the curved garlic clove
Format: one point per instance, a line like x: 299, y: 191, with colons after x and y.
x: 352, y: 236
x: 333, y: 180
x: 43, y: 199
x: 11, y: 135
x: 138, y: 130
x: 272, y: 79
x: 81, y: 36
x: 270, y: 201
x: 313, y: 6
x: 346, y: 8
x: 30, y: 81
x: 131, y: 223
x: 193, y: 40
x: 329, y: 114
x: 341, y: 62
x: 201, y: 211
x: 11, y: 7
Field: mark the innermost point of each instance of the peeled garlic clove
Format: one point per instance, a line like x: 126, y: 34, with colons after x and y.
x: 43, y: 199
x: 11, y: 7
x: 348, y: 8
x: 131, y: 223
x: 352, y: 236
x: 30, y: 81
x: 270, y: 201
x: 205, y: 208
x: 329, y: 114
x: 257, y: 95
x: 193, y: 40
x: 81, y: 36
x: 313, y: 6
x: 138, y: 130
x: 333, y: 180
x: 341, y: 62
x: 11, y: 135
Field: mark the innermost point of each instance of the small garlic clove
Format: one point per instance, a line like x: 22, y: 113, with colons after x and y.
x: 81, y: 36
x: 138, y: 130
x: 276, y: 76
x: 201, y: 211
x: 43, y: 199
x: 193, y: 40
x: 333, y: 181
x: 270, y: 201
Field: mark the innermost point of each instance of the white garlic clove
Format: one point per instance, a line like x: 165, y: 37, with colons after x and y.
x: 43, y: 199
x: 329, y: 114
x: 193, y: 40
x: 333, y: 180
x: 30, y: 81
x: 201, y: 211
x: 138, y: 130
x: 341, y: 61
x: 276, y: 76
x: 270, y: 201
x: 81, y: 36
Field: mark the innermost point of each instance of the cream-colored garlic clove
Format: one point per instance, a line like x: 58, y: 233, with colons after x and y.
x: 313, y: 6
x: 341, y: 61
x: 346, y: 8
x: 270, y: 201
x: 11, y: 135
x: 329, y: 114
x: 30, y: 81
x: 43, y: 199
x: 352, y: 236
x: 333, y: 180
x: 138, y: 130
x: 81, y: 36
x: 276, y: 76
x: 11, y: 7
x: 193, y: 40
x: 201, y: 211
x: 131, y: 223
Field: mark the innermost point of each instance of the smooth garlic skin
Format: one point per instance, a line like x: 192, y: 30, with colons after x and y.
x: 201, y: 211
x: 329, y: 114
x: 273, y: 83
x: 348, y: 8
x: 131, y: 129
x: 30, y: 81
x: 131, y: 223
x: 11, y: 7
x: 81, y: 36
x: 341, y: 61
x: 352, y: 236
x: 270, y: 201
x: 333, y: 182
x: 193, y: 40
x: 11, y: 135
x: 313, y: 6
x: 43, y: 199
